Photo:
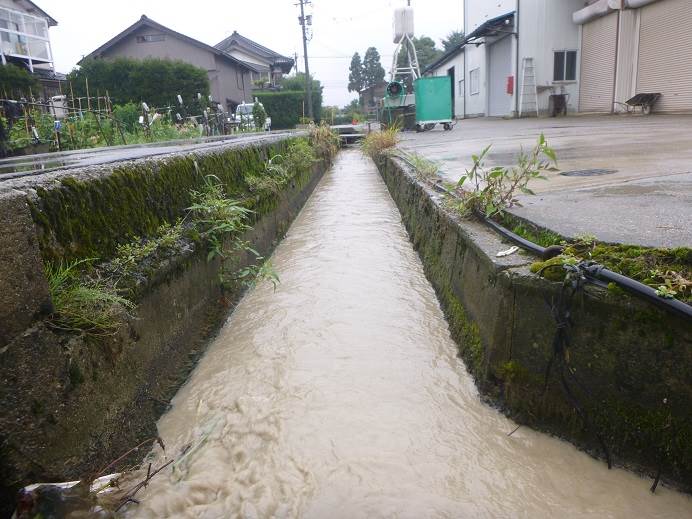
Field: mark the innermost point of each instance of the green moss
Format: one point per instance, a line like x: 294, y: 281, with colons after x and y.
x: 542, y: 237
x: 512, y: 372
x: 550, y: 269
x: 615, y: 290
x: 88, y: 219
x: 631, y: 431
x: 465, y: 332
x: 648, y: 265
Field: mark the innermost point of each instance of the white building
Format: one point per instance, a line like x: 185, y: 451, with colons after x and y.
x: 635, y: 46
x: 516, y: 47
x: 24, y: 36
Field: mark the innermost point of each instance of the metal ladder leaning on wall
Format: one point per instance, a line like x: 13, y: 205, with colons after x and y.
x: 528, y: 98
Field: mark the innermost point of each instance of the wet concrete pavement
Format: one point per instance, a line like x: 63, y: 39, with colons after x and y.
x: 643, y: 195
x: 16, y: 167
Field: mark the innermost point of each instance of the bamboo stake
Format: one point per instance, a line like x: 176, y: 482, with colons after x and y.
x: 86, y: 80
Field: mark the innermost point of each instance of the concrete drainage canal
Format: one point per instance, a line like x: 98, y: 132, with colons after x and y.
x: 340, y: 394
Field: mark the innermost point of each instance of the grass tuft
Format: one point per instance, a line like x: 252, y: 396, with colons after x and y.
x: 376, y: 144
x: 89, y: 306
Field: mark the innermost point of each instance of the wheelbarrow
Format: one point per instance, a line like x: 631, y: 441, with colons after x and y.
x: 645, y: 102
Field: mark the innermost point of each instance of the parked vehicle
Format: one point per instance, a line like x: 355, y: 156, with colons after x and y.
x: 246, y: 121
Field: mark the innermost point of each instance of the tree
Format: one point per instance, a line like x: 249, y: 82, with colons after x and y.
x: 355, y: 74
x: 373, y: 72
x: 155, y: 81
x: 453, y: 39
x: 16, y: 82
x: 426, y: 51
x: 259, y: 116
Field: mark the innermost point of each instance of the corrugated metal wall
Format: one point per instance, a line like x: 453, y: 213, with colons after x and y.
x: 628, y: 46
x: 665, y: 54
x: 599, y: 44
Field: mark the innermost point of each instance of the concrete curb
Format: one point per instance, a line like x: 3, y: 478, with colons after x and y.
x: 499, y: 314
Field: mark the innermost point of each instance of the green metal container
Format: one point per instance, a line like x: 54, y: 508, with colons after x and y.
x: 433, y: 100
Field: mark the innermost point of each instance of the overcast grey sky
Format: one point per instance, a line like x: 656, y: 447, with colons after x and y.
x: 340, y: 27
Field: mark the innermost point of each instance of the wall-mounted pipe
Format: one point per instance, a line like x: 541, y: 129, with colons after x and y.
x: 595, y: 10
x: 604, y: 7
x: 634, y: 4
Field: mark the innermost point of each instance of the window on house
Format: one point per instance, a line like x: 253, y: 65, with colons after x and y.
x: 565, y: 65
x: 147, y: 38
x: 475, y: 80
x: 461, y: 88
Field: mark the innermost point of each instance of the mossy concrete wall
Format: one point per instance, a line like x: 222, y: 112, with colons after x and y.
x: 633, y: 361
x: 72, y: 403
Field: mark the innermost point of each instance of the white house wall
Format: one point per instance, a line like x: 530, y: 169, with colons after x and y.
x: 476, y: 104
x: 477, y: 12
x: 546, y: 26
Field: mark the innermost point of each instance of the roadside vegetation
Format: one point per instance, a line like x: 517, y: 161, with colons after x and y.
x: 97, y: 296
x: 90, y: 130
x: 377, y: 144
x: 82, y: 302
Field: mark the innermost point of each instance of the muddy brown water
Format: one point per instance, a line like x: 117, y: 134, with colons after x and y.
x: 339, y: 395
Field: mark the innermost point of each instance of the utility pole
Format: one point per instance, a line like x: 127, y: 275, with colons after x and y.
x: 308, y: 82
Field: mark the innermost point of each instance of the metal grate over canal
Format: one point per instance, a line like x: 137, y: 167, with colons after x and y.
x: 340, y: 395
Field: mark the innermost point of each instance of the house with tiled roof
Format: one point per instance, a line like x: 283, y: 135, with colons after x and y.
x: 229, y: 77
x: 270, y: 65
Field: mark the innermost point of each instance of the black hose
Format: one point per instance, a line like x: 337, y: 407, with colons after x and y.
x: 639, y: 289
x: 526, y: 244
x: 593, y: 272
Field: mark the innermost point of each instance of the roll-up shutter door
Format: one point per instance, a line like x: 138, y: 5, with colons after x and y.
x: 665, y: 54
x: 598, y: 50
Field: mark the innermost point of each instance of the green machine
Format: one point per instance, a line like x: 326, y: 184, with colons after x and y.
x: 433, y: 102
x: 398, y: 107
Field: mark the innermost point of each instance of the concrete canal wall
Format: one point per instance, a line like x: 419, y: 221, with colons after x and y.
x: 628, y: 375
x: 74, y: 402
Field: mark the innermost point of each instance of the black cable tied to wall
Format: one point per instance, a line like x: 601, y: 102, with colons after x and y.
x: 561, y: 310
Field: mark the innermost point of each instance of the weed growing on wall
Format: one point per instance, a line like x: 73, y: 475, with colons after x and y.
x: 493, y: 190
x: 220, y: 221
x: 279, y: 169
x: 271, y: 180
x: 376, y: 144
x: 84, y: 305
x: 300, y: 156
x: 130, y: 255
x: 425, y: 169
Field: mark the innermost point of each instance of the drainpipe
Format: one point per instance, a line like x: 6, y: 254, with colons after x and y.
x: 516, y: 57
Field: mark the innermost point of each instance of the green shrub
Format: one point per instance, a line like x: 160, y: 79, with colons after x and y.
x: 156, y: 81
x: 259, y: 116
x: 285, y: 108
x: 299, y: 157
x: 127, y: 116
x: 297, y: 84
x: 17, y: 82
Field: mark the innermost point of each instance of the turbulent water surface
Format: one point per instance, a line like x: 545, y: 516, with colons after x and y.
x: 339, y: 395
